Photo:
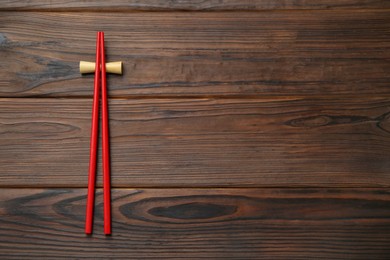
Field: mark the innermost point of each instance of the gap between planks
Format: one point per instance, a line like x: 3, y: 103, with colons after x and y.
x: 183, y: 187
x: 243, y: 97
x: 108, y: 10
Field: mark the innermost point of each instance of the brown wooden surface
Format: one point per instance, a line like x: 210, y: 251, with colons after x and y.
x: 189, y: 5
x: 200, y: 223
x: 199, y: 54
x: 260, y: 130
x: 201, y: 142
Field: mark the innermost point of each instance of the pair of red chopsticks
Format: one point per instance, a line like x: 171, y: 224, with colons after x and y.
x: 100, y: 79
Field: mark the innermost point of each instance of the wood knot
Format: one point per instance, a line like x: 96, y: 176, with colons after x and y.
x: 325, y: 120
x: 183, y: 209
x: 312, y: 121
x: 195, y: 210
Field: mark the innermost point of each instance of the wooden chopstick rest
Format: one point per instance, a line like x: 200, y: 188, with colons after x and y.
x: 111, y: 67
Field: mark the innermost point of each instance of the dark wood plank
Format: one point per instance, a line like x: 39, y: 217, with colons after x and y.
x: 199, y: 54
x: 200, y: 142
x: 199, y: 223
x: 189, y: 5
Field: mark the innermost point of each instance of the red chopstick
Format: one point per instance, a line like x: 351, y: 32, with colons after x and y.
x: 100, y: 77
x: 94, y: 139
x: 106, y: 148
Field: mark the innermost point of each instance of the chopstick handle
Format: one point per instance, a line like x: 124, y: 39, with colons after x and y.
x: 106, y: 145
x: 93, y: 144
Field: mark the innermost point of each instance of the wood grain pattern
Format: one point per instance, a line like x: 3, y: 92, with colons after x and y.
x: 258, y: 131
x: 189, y: 5
x: 316, y: 53
x: 200, y: 142
x: 199, y: 223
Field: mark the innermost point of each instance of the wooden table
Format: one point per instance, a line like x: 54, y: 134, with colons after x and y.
x: 239, y: 130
